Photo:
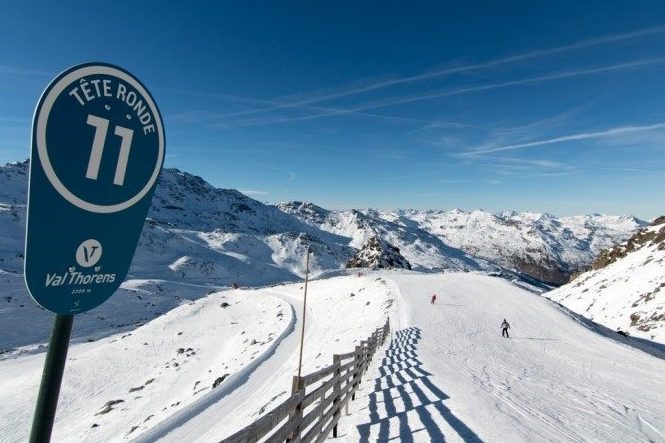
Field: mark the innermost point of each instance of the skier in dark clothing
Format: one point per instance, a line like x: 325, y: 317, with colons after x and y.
x: 504, y: 329
x: 433, y: 298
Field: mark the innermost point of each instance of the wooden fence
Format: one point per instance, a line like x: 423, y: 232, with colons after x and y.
x: 316, y: 400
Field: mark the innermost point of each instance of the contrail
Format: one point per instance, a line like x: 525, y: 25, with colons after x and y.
x: 459, y: 91
x: 581, y: 136
x: 459, y: 69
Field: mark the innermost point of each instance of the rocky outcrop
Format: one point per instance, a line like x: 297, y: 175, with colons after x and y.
x: 644, y: 236
x: 545, y: 270
x: 306, y: 211
x: 378, y: 254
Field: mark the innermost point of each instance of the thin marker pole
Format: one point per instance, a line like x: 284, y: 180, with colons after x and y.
x: 304, y: 308
x: 49, y: 389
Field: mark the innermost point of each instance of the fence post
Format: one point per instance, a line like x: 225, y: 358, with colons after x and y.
x: 375, y: 344
x: 387, y: 326
x: 356, y: 370
x: 297, y: 384
x: 363, y: 359
x: 337, y: 388
x: 372, y: 346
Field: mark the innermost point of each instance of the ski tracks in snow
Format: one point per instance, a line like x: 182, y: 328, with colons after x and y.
x: 555, y: 380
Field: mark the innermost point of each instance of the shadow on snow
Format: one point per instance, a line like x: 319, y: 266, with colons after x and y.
x: 404, y: 390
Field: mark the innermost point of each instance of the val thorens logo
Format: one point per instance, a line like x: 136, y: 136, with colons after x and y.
x: 88, y: 253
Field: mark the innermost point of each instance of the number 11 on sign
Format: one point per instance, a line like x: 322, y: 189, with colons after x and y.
x: 101, y: 126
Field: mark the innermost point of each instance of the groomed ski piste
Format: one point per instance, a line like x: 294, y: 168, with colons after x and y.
x: 210, y: 367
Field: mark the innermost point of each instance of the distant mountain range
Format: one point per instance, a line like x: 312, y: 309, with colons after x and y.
x: 541, y: 246
x: 198, y: 238
x: 196, y: 232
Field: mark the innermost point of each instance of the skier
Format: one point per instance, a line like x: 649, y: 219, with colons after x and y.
x: 433, y: 298
x: 504, y: 329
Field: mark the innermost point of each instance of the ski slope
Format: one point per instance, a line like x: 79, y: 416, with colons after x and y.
x: 447, y: 375
x: 340, y: 312
x: 450, y: 375
x: 199, y: 372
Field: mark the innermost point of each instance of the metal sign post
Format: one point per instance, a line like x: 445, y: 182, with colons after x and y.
x: 97, y: 150
x: 54, y: 367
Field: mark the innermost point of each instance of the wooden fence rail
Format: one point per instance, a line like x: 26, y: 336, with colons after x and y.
x: 315, y: 405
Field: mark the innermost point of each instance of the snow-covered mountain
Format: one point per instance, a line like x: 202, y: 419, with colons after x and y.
x: 169, y: 353
x: 196, y: 231
x: 205, y: 237
x: 197, y: 238
x: 203, y: 234
x: 422, y: 249
x: 625, y: 287
x: 543, y: 246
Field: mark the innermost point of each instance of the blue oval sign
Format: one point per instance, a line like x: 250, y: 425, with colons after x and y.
x: 97, y: 150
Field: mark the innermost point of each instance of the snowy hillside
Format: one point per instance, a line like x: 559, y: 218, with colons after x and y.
x: 211, y: 367
x: 197, y: 238
x: 196, y: 232
x: 625, y: 289
x: 170, y: 375
x: 14, y: 183
x: 222, y: 235
x: 543, y: 246
x: 201, y: 238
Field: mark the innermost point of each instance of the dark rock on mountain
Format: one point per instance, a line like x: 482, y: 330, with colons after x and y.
x: 636, y: 241
x: 378, y: 254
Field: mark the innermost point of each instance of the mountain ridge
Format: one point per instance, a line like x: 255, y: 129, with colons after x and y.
x: 624, y: 288
x: 186, y: 207
x: 201, y: 237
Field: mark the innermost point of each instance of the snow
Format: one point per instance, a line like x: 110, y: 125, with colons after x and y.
x: 447, y: 372
x: 166, y: 337
x: 155, y: 370
x: 627, y: 295
x: 26, y: 327
x: 520, y: 239
x: 555, y: 379
x: 332, y: 326
x: 180, y: 403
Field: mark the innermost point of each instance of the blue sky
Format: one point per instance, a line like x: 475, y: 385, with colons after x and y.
x: 544, y: 106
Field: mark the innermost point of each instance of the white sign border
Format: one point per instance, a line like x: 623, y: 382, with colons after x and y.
x: 42, y: 119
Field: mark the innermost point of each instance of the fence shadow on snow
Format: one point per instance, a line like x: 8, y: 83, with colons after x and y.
x: 403, y: 391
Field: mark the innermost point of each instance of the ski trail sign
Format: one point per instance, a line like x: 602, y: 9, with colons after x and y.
x: 97, y: 150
